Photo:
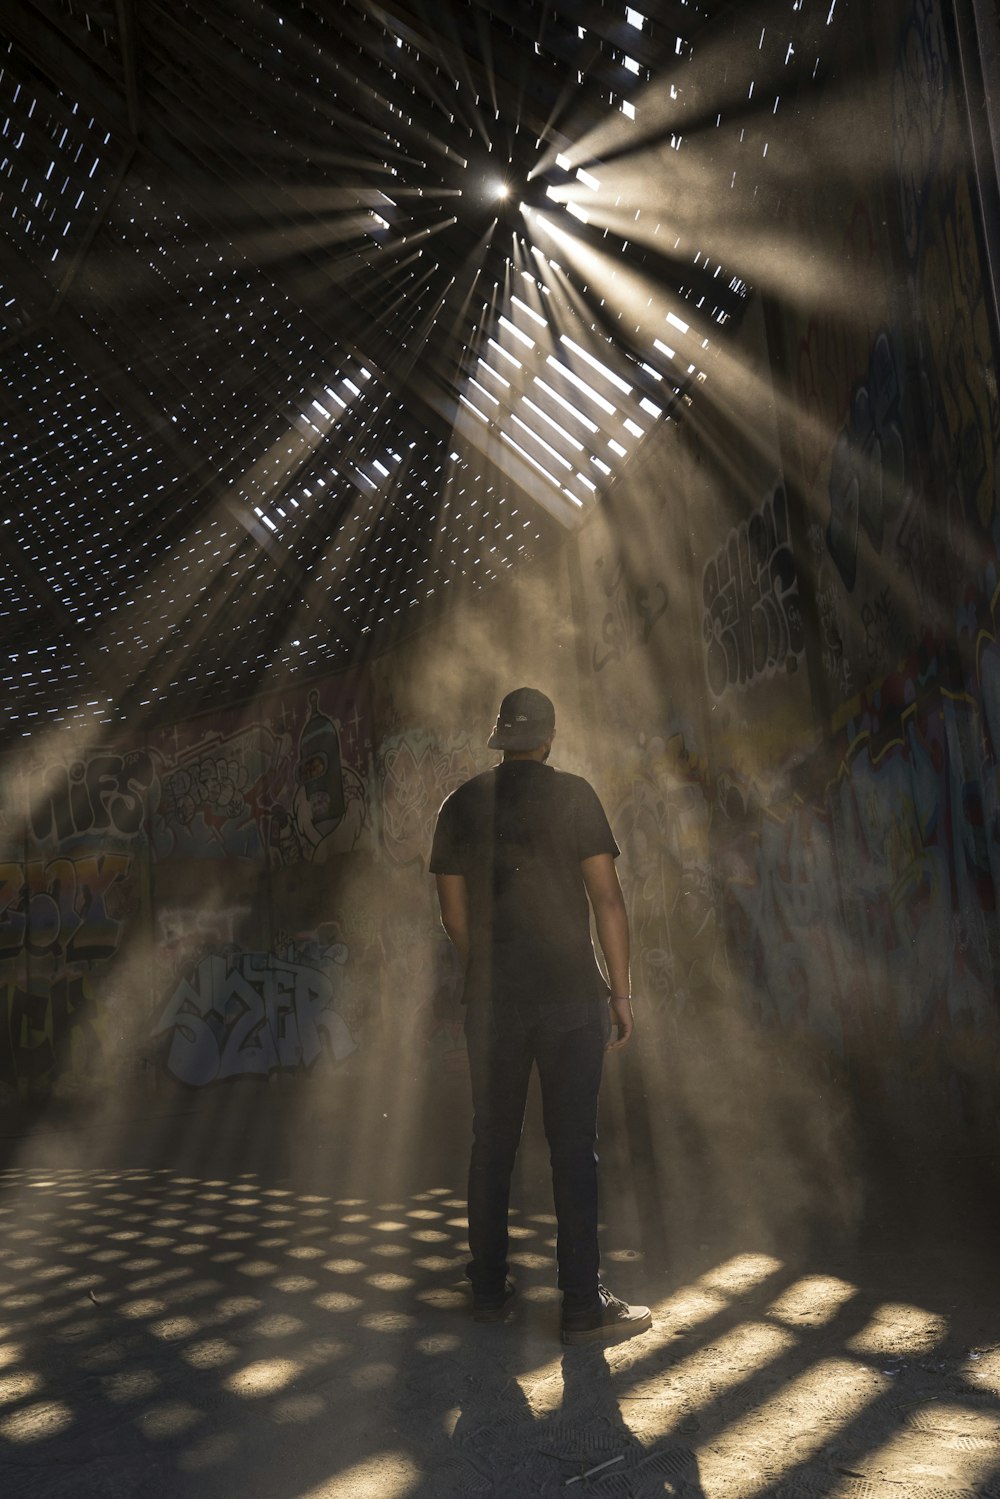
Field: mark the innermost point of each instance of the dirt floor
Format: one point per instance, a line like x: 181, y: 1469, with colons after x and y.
x: 173, y: 1324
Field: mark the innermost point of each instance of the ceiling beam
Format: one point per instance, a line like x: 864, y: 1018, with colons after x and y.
x: 130, y: 61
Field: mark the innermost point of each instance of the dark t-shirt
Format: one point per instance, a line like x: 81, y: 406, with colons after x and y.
x: 518, y: 834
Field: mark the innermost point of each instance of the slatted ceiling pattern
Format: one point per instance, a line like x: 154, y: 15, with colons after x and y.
x: 557, y: 401
x: 93, y: 25
x: 56, y: 166
x: 283, y: 376
x: 66, y: 688
x: 83, y: 551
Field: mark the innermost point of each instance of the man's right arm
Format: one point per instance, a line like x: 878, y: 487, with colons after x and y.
x: 611, y: 919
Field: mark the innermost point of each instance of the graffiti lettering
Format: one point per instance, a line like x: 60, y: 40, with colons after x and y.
x: 104, y: 793
x: 243, y: 795
x: 632, y: 614
x: 252, y: 1014
x: 751, y: 623
x: 883, y: 632
x: 182, y: 926
x: 60, y: 906
x: 36, y: 1028
x: 212, y: 794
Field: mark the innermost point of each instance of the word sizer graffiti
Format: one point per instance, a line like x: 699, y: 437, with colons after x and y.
x: 59, y: 906
x: 246, y: 1014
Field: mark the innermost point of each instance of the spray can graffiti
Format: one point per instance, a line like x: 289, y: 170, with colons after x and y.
x: 320, y: 770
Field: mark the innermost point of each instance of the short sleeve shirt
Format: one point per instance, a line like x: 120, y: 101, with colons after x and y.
x: 518, y: 835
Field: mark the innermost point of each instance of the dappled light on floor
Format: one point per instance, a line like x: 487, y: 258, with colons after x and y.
x: 200, y: 1336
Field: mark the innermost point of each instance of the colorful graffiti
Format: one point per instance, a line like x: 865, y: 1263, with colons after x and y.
x: 752, y: 624
x: 62, y: 906
x: 214, y: 794
x: 279, y: 788
x: 858, y: 916
x: 866, y: 915
x: 251, y: 1014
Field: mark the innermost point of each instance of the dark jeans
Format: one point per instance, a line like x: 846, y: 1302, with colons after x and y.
x: 566, y: 1042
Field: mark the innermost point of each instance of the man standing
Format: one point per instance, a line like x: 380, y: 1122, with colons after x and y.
x: 518, y: 851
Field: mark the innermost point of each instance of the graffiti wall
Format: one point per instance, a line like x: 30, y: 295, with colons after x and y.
x: 286, y: 782
x: 773, y: 650
x: 752, y: 621
x: 895, y: 449
x: 824, y: 863
x: 72, y: 891
x: 239, y: 1014
x: 193, y: 904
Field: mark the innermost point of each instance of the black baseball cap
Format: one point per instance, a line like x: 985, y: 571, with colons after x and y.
x: 526, y: 719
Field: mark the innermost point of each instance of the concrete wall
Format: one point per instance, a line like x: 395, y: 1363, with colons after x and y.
x: 773, y: 650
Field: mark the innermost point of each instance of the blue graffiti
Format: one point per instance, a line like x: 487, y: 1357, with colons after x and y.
x: 254, y: 1013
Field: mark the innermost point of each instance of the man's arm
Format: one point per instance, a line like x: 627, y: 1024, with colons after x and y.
x: 453, y: 898
x: 611, y: 918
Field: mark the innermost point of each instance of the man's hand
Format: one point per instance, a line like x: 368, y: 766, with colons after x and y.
x: 621, y: 1016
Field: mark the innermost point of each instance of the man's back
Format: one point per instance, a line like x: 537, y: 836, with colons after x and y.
x: 518, y: 835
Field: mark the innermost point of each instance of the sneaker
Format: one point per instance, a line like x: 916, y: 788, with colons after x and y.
x: 494, y: 1308
x: 611, y: 1322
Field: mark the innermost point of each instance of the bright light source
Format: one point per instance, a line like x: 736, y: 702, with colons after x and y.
x: 501, y: 190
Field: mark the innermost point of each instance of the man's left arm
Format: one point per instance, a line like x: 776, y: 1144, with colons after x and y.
x: 611, y: 920
x: 453, y: 898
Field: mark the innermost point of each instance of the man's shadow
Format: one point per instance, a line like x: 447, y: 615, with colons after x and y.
x: 560, y: 1441
x: 590, y: 1403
